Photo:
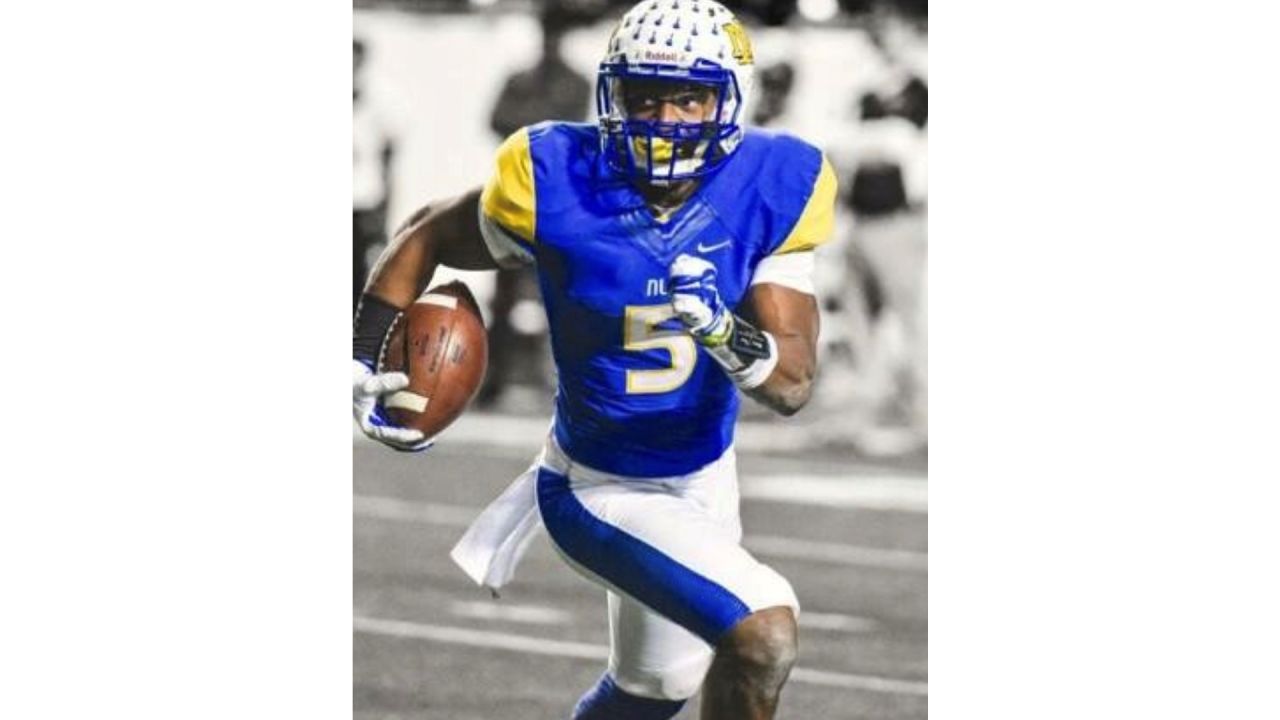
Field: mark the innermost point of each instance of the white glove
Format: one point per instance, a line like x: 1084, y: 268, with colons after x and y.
x: 366, y: 389
x: 696, y: 301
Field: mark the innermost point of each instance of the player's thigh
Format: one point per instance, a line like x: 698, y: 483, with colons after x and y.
x: 666, y: 552
x: 651, y: 656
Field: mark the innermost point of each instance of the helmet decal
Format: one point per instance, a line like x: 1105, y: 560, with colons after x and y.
x: 741, y: 44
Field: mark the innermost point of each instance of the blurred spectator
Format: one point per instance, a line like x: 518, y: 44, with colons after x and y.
x: 911, y: 103
x: 877, y: 190
x: 376, y: 131
x: 773, y: 88
x: 887, y: 259
x: 550, y: 90
x: 773, y: 13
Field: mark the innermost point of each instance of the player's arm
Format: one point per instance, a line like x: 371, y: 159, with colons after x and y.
x: 444, y: 233
x: 770, y: 349
x: 782, y: 303
x: 478, y: 230
x: 790, y: 317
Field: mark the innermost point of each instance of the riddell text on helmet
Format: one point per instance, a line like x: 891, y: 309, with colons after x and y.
x: 660, y: 56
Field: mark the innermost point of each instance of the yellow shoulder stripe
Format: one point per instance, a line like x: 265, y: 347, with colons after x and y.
x: 814, y: 226
x: 508, y: 197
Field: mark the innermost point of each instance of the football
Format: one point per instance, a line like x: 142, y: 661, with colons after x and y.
x: 440, y: 343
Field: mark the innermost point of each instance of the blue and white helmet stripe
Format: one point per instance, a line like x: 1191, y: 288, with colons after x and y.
x: 679, y: 40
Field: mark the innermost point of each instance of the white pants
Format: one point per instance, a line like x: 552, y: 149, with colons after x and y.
x: 668, y: 552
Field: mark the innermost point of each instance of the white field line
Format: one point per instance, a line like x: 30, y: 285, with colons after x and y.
x: 859, y: 682
x: 875, y: 492
x: 542, y: 615
x: 836, y: 553
x: 810, y: 620
x: 503, y: 431
x: 527, y: 614
x: 385, y: 508
x: 521, y: 437
x: 836, y: 493
x: 559, y: 648
x: 481, y: 638
x: 529, y: 432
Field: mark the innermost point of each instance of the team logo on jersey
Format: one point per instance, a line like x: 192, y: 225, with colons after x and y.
x: 741, y: 45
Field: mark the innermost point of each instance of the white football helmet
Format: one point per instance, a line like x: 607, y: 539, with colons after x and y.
x: 680, y: 41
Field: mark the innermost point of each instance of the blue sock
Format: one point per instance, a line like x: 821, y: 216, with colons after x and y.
x: 606, y: 701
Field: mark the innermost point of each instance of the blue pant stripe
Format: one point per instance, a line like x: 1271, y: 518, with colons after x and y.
x: 642, y: 571
x: 606, y: 701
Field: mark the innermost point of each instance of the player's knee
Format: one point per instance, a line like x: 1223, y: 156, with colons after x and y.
x: 764, y: 645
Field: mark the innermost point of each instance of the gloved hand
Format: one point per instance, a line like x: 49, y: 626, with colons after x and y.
x: 366, y: 389
x: 692, y: 284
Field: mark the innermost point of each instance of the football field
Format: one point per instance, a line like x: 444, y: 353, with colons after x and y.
x: 851, y: 538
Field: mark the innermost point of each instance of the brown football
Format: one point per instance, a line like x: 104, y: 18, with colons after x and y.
x: 440, y: 343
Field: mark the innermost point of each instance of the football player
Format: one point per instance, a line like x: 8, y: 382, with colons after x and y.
x: 674, y: 250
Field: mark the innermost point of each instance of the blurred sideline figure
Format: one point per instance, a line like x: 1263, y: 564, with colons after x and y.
x: 550, y: 90
x: 887, y: 255
x: 376, y: 131
x: 889, y: 412
x: 775, y: 84
x: 675, y: 251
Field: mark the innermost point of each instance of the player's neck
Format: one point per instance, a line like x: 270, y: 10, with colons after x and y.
x: 666, y: 199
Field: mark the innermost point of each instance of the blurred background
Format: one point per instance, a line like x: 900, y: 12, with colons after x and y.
x: 439, y: 84
x: 834, y: 498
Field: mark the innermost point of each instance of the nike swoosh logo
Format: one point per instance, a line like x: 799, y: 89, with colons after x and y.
x: 709, y: 248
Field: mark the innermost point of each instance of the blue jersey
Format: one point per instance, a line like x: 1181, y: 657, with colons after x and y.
x: 635, y: 395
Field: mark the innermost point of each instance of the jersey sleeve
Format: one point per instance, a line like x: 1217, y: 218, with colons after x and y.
x: 793, y: 270
x: 508, y: 203
x: 813, y: 227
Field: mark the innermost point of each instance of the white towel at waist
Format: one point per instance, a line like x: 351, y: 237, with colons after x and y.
x: 498, y: 538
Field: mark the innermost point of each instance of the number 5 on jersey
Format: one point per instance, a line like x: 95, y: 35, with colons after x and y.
x: 640, y: 332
